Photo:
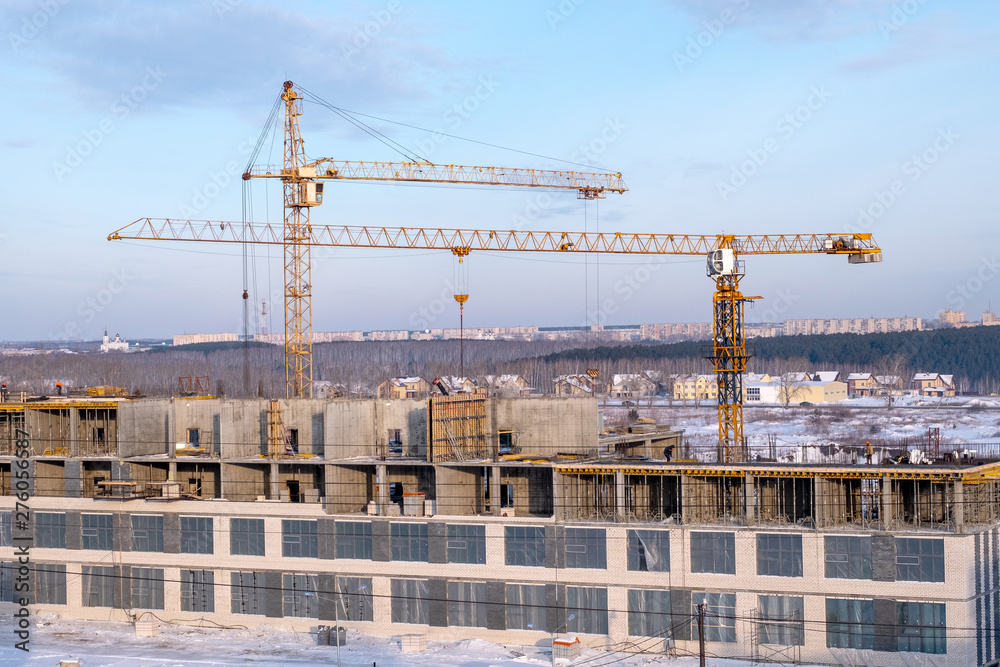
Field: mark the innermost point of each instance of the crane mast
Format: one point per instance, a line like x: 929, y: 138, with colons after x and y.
x: 303, y: 189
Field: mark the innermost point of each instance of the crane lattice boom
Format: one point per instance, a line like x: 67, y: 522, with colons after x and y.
x: 417, y: 238
x: 588, y: 185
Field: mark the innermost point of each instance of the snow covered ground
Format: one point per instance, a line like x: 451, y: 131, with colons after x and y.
x: 99, y: 644
x: 965, y: 423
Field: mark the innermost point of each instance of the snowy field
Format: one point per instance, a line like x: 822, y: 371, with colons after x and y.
x: 805, y: 433
x: 98, y: 644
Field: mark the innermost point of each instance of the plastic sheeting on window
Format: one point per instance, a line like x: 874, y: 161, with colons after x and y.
x: 355, y: 598
x: 410, y: 601
x: 781, y: 620
x: 590, y: 606
x: 649, y: 613
x: 247, y: 593
x: 850, y: 623
x: 525, y: 606
x: 299, y: 597
x: 649, y: 550
x: 198, y: 590
x: 98, y: 586
x: 147, y: 588
x: 467, y: 604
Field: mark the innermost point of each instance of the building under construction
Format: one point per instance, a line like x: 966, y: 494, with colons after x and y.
x: 302, y: 512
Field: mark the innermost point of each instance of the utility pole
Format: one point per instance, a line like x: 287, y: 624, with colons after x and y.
x: 701, y: 635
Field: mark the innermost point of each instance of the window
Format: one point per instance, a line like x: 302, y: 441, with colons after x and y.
x: 299, y: 539
x: 409, y: 541
x: 396, y: 440
x: 354, y: 540
x: 147, y: 532
x: 246, y: 537
x: 506, y: 495
x: 355, y: 598
x: 524, y: 545
x: 98, y: 586
x: 467, y: 544
x: 7, y: 569
x: 467, y: 604
x: 247, y: 593
x: 781, y: 620
x: 586, y: 548
x: 506, y: 441
x: 97, y: 532
x: 147, y: 588
x: 194, y: 437
x: 6, y: 529
x: 292, y: 437
x: 649, y: 550
x: 395, y: 492
x: 920, y: 627
x: 713, y: 552
x: 850, y: 623
x: 525, y: 606
x: 196, y: 535
x: 299, y: 597
x: 50, y: 530
x: 779, y: 555
x: 720, y: 615
x: 649, y: 613
x: 198, y: 590
x: 848, y: 557
x: 919, y: 559
x: 590, y: 605
x: 50, y: 583
x: 753, y: 393
x: 410, y: 602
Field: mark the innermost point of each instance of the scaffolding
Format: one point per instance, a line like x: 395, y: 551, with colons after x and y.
x: 457, y: 427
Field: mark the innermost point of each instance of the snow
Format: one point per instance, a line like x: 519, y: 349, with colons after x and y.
x: 106, y: 644
x: 964, y: 422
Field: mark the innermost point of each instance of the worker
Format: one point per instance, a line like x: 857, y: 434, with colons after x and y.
x: 668, y: 452
x: 868, y: 452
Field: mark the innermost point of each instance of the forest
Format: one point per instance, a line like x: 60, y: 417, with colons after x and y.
x: 258, y: 369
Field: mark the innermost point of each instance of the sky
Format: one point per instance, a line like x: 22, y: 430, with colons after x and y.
x: 723, y: 116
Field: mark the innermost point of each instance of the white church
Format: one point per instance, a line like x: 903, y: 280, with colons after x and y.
x: 119, y: 344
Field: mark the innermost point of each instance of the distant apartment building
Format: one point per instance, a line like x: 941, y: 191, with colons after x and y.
x: 693, y: 330
x: 952, y: 317
x: 853, y: 325
x: 192, y: 339
x: 990, y: 319
x: 387, y: 335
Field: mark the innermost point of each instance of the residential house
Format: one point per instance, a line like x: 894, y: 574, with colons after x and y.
x: 861, y: 384
x: 886, y: 383
x: 695, y: 388
x: 933, y: 384
x: 506, y: 386
x: 409, y: 387
x: 579, y: 384
x: 454, y: 384
x: 826, y: 376
x: 631, y: 386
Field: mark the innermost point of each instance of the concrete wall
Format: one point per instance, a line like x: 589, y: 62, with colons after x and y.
x: 350, y: 429
x: 547, y: 425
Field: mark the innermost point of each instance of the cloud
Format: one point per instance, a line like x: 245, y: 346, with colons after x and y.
x: 801, y: 20
x: 19, y: 143
x: 236, y: 57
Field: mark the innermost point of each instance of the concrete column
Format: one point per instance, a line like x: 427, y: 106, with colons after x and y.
x: 172, y: 471
x: 558, y: 496
x: 275, y: 486
x: 495, y: 490
x: 74, y: 432
x: 749, y: 500
x: 381, y: 488
x: 620, y: 495
x: 958, y: 498
x: 819, y: 510
x: 885, y: 512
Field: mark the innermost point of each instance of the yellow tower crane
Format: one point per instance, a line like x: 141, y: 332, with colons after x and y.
x: 723, y: 252
x: 303, y: 189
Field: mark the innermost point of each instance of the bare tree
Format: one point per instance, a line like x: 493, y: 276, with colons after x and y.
x: 790, y: 386
x: 890, y: 378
